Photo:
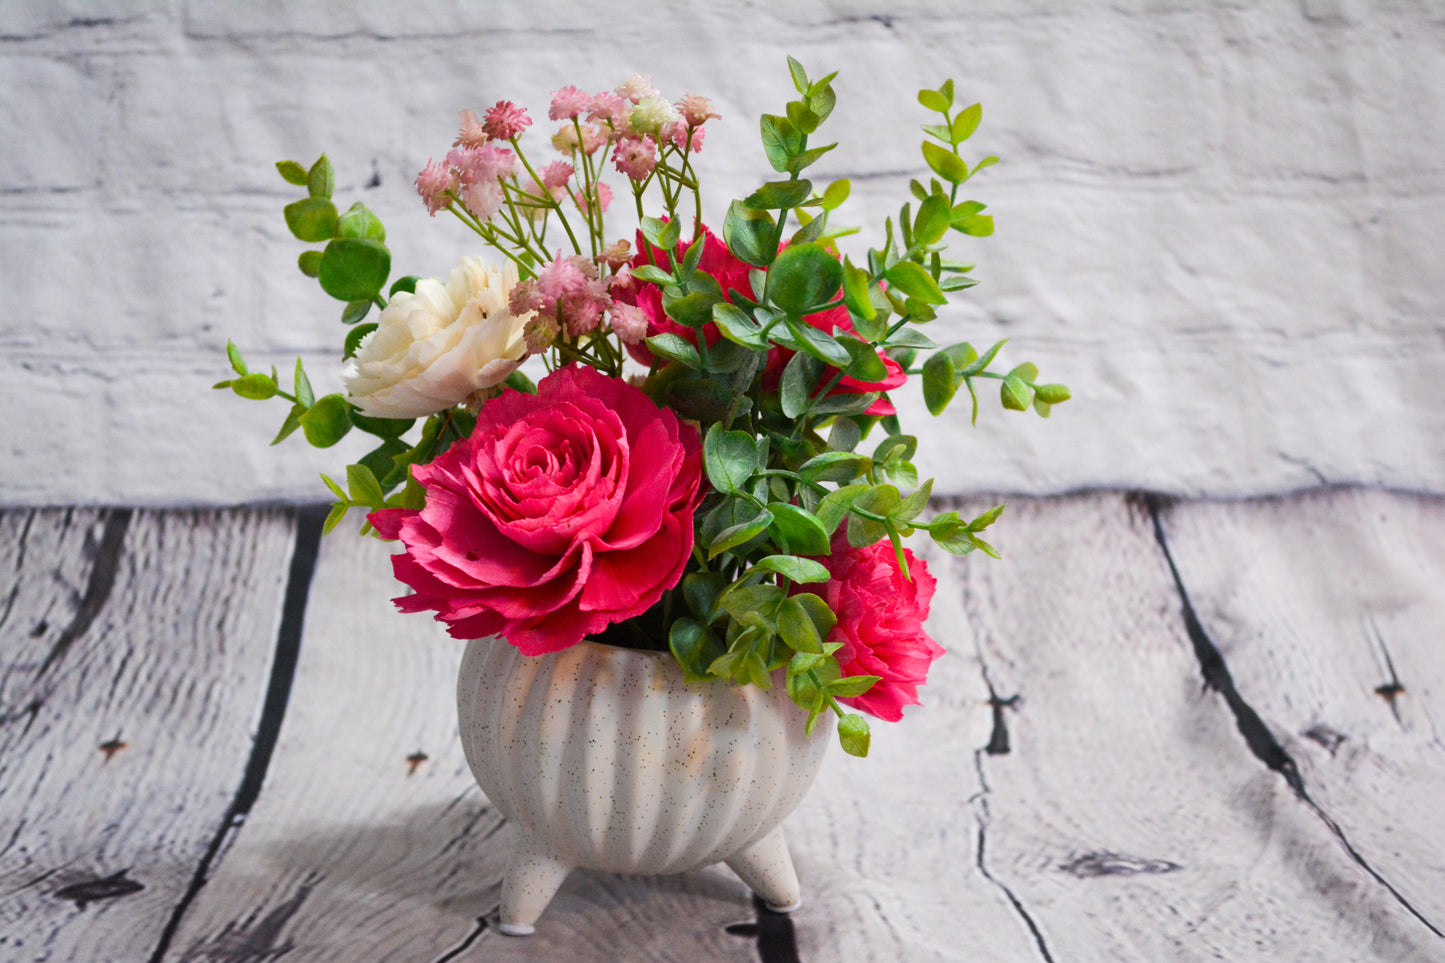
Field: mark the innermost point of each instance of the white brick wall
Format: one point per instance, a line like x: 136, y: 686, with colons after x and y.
x: 1219, y: 223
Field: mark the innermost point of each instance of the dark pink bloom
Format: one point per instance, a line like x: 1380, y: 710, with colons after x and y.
x: 880, y: 623
x: 505, y: 120
x: 564, y: 512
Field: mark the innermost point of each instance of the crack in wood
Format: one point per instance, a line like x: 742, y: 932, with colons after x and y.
x: 1325, y: 736
x: 982, y: 818
x: 309, y: 521
x: 466, y: 944
x: 1092, y: 865
x: 94, y: 890
x: 1257, y: 736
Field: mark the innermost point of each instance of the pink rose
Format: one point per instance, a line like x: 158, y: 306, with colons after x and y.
x: 565, y: 511
x: 880, y: 623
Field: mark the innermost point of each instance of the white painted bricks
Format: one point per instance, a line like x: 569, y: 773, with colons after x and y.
x: 1218, y: 223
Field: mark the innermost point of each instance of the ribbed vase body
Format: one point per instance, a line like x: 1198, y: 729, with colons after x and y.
x: 608, y: 760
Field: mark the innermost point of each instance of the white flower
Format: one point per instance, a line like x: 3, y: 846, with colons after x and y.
x: 433, y: 348
x: 652, y: 114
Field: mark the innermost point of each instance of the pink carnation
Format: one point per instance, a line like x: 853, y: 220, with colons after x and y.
x: 483, y: 199
x: 696, y: 110
x: 568, y: 103
x: 603, y: 198
x: 485, y: 163
x: 629, y: 322
x: 564, y: 512
x: 564, y: 276
x: 636, y: 157
x: 636, y: 88
x: 610, y: 110
x: 432, y: 184
x: 880, y: 623
x: 556, y: 174
x: 505, y: 120
x: 683, y: 137
x: 472, y: 134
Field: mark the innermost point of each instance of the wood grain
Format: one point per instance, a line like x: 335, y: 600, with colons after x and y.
x: 1129, y: 819
x: 358, y: 841
x: 135, y: 649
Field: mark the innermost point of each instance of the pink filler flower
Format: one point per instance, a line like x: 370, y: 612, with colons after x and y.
x: 564, y: 512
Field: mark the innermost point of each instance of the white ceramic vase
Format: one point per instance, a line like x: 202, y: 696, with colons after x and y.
x: 603, y: 758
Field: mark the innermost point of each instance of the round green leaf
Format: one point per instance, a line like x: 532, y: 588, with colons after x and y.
x: 327, y: 422
x: 913, y: 279
x: 293, y: 172
x: 354, y: 269
x: 311, y: 218
x: 360, y: 222
x: 310, y: 263
x: 256, y: 386
x: 804, y: 277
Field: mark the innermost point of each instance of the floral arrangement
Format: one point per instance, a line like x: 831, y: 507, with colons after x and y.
x: 691, y: 472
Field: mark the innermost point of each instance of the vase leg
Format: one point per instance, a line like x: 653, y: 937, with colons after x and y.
x: 532, y: 879
x: 768, y: 870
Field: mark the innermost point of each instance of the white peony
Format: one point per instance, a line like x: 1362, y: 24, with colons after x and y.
x: 433, y: 348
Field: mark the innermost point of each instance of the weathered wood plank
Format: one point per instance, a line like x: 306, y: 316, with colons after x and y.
x: 135, y: 649
x: 1128, y: 819
x: 358, y: 841
x: 1328, y: 610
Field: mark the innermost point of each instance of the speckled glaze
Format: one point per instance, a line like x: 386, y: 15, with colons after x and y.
x: 602, y: 757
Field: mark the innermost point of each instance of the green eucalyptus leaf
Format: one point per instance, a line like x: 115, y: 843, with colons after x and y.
x: 382, y: 427
x: 355, y: 311
x: 779, y: 195
x: 518, y: 381
x: 914, y: 280
x: 1026, y: 371
x: 321, y: 179
x: 836, y: 505
x: 986, y: 519
x: 309, y: 262
x: 853, y: 733
x: 293, y: 172
x: 793, y: 567
x: 360, y: 222
x: 966, y: 123
x: 364, y: 488
x: 654, y: 274
x: 749, y: 234
x: 982, y: 362
x: 811, y: 230
x: 912, y: 506
x: 730, y: 458
x: 945, y: 163
x: 256, y: 386
x: 695, y: 648
x: 675, y: 348
x: 864, y: 364
x: 835, y: 466
x: 1053, y: 394
x: 910, y: 338
x: 881, y: 500
x: 800, y: 76
x: 845, y: 403
x: 1015, y: 394
x: 855, y: 292
x: 327, y: 422
x: 933, y: 219
x: 334, y: 517
x: 799, y: 529
x: 986, y: 162
x: 939, y: 382
x: 845, y: 434
x: 933, y: 100
x: 304, y: 395
x: 821, y: 346
x: 807, y: 158
x: 781, y: 140
x: 836, y: 193
x: 233, y: 354
x: 407, y: 284
x: 311, y: 218
x: 979, y: 225
x: 289, y: 426
x: 735, y: 535
x: 354, y: 269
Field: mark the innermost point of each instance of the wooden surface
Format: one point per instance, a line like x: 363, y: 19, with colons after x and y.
x: 1163, y: 731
